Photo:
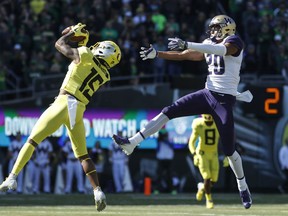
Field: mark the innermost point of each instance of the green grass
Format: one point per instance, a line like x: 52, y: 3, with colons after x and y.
x: 139, y: 205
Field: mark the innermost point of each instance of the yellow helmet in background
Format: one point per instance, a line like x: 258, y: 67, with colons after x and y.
x: 207, y: 117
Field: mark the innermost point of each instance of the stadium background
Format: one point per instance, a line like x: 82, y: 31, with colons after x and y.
x: 31, y: 70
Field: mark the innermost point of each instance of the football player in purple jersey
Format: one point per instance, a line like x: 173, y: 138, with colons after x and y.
x: 223, y: 52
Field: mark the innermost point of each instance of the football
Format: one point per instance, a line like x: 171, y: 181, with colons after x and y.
x: 73, y: 38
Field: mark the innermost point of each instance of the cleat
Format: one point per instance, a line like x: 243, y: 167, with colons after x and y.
x: 246, y: 198
x: 209, y: 204
x: 124, y: 143
x: 100, y: 199
x: 9, y: 184
x: 200, y: 192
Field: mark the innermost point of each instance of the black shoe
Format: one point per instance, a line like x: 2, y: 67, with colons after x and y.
x: 246, y: 198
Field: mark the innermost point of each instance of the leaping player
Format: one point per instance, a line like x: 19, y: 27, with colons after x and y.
x: 223, y: 52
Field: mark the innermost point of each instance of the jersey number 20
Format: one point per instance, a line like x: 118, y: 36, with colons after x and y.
x: 216, y: 62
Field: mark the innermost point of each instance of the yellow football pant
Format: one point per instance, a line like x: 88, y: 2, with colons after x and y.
x: 50, y: 120
x: 209, y: 166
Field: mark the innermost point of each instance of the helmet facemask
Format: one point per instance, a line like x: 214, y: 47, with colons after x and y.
x: 208, y: 119
x: 107, y: 52
x: 215, y: 32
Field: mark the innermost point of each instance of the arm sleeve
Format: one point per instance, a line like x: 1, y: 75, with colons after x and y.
x: 217, y: 49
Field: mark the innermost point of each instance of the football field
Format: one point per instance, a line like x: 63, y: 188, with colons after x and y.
x: 139, y: 205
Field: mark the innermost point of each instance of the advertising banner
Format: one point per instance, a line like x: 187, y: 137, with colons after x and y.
x: 100, y: 125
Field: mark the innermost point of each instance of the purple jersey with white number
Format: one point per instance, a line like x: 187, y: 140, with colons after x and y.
x: 224, y: 71
x: 218, y: 98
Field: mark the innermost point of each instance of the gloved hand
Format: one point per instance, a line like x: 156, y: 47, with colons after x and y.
x: 148, y: 53
x: 177, y: 44
x: 225, y: 162
x: 85, y: 41
x: 80, y: 31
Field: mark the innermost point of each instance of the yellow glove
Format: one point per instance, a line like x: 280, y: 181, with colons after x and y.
x: 196, y: 160
x: 80, y: 31
x: 225, y: 162
x: 85, y: 41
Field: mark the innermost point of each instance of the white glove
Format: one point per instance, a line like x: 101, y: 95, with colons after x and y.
x: 100, y: 199
x: 177, y: 44
x: 148, y: 53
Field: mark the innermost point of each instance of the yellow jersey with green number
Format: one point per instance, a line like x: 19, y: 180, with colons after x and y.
x: 84, y: 79
x: 208, y: 136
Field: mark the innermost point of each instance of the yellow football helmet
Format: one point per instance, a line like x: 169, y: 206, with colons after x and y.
x: 207, y: 117
x: 221, y: 26
x: 107, y: 52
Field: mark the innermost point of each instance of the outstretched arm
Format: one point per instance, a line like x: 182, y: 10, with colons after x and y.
x: 191, y: 55
x: 151, y: 53
x: 218, y: 49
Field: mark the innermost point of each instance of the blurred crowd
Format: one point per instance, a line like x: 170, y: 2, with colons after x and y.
x: 53, y: 167
x: 29, y: 29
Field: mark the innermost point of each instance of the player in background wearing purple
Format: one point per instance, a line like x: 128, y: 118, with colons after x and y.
x: 119, y: 161
x: 43, y: 163
x: 223, y: 52
x: 73, y: 170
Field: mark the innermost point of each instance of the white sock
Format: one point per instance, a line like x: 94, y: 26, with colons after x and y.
x: 98, y: 188
x: 12, y: 176
x: 152, y: 127
x: 136, y: 139
x: 200, y: 186
x: 241, y: 183
x: 235, y: 163
x: 155, y: 125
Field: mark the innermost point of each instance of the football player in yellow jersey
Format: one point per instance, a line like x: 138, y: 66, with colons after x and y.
x: 87, y: 71
x: 205, y: 154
